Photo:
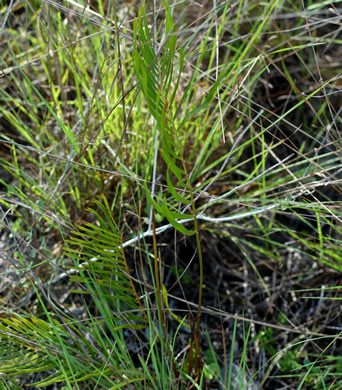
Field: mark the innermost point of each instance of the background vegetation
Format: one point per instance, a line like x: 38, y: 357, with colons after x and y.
x: 170, y: 197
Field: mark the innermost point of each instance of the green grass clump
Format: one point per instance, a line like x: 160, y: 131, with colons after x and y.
x: 170, y: 195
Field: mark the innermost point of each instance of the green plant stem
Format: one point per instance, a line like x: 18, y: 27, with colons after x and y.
x: 200, y: 262
x: 156, y: 270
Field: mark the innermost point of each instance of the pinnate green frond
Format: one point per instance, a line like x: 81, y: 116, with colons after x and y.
x: 102, y: 267
x: 31, y: 345
x: 155, y: 72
